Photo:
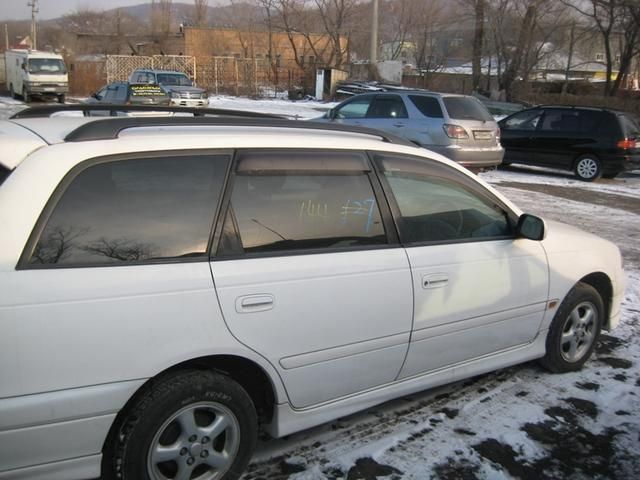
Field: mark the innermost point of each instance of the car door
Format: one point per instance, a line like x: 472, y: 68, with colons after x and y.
x: 518, y: 137
x: 308, y: 274
x: 477, y: 289
x: 564, y: 134
x: 388, y: 112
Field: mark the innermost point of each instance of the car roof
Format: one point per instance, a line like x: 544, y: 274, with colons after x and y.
x: 32, y: 129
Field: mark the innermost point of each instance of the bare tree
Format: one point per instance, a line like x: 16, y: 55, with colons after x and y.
x: 603, y: 13
x: 161, y: 16
x: 335, y: 16
x: 200, y: 12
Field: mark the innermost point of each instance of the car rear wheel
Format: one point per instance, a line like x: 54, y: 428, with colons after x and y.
x: 25, y: 96
x: 190, y: 425
x: 574, y: 330
x: 588, y: 168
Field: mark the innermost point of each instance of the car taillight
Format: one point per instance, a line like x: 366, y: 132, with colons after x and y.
x: 455, y: 131
x: 627, y: 143
x: 498, y: 135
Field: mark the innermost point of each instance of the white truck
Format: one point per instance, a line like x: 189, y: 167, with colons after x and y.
x: 33, y: 73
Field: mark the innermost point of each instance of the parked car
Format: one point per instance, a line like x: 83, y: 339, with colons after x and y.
x: 591, y: 142
x: 171, y: 284
x: 456, y: 126
x: 177, y: 85
x: 124, y: 93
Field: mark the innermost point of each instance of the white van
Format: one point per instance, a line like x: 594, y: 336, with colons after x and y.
x: 33, y: 73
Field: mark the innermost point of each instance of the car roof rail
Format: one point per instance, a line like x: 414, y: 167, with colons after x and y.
x: 109, y: 128
x: 87, y: 108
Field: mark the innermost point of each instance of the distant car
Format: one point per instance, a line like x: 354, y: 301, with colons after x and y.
x: 124, y: 93
x: 177, y: 85
x: 457, y: 126
x: 592, y: 142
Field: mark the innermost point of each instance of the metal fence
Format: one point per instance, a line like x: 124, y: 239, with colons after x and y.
x: 119, y: 67
x: 257, y: 77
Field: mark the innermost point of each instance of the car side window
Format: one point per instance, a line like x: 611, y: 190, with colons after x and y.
x: 557, y: 120
x: 121, y: 94
x: 387, y: 106
x: 428, y: 106
x: 288, y: 210
x: 523, y: 120
x: 357, y: 108
x: 434, y: 207
x: 136, y: 210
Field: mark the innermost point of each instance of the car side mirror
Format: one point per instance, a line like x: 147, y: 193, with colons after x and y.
x: 530, y: 227
x: 331, y: 114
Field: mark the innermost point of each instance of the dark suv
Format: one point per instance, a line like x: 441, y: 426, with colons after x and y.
x: 592, y: 142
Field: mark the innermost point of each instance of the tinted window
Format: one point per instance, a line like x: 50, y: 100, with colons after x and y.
x: 134, y: 210
x: 4, y: 173
x: 428, y: 106
x: 288, y: 211
x: 522, y: 121
x: 466, y: 108
x: 390, y: 106
x: 121, y: 93
x: 560, y: 121
x: 357, y: 108
x: 435, y: 208
x: 174, y: 79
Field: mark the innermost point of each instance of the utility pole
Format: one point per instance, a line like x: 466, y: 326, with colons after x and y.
x: 34, y: 9
x: 373, y: 52
x: 6, y: 36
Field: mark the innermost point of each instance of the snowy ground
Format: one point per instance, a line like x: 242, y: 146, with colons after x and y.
x: 520, y: 422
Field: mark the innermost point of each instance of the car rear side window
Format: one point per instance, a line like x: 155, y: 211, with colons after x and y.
x: 466, y: 108
x: 428, y: 106
x: 137, y: 210
x: 387, y: 106
x: 287, y: 210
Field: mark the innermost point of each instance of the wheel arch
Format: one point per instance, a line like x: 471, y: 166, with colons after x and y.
x: 247, y: 373
x: 604, y: 286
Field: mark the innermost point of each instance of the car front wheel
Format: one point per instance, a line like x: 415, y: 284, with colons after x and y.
x: 574, y: 330
x: 190, y: 425
x: 588, y: 168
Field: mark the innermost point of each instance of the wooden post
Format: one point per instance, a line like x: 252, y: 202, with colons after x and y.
x: 235, y: 61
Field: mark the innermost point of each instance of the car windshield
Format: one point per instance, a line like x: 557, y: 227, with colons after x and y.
x: 51, y: 66
x: 178, y: 79
x: 466, y: 108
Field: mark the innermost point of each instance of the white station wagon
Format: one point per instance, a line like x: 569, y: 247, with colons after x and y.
x: 170, y: 285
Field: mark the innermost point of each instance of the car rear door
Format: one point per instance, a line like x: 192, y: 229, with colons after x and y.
x: 477, y: 289
x: 308, y: 273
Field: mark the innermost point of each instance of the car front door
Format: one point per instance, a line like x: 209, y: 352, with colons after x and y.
x: 518, y: 136
x: 309, y: 275
x: 477, y: 289
x: 353, y: 111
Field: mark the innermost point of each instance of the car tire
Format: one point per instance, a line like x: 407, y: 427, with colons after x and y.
x: 12, y: 93
x: 62, y: 98
x: 574, y: 330
x: 195, y: 421
x: 587, y: 167
x: 25, y: 96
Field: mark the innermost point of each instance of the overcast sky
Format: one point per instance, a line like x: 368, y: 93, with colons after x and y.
x: 18, y: 9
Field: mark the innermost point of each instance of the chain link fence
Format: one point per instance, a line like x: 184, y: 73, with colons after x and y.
x: 255, y: 77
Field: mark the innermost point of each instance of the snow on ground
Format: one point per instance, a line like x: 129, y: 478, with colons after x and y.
x: 519, y: 422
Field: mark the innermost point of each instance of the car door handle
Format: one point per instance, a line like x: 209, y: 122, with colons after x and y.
x: 435, y: 280
x: 254, y: 303
x: 398, y: 125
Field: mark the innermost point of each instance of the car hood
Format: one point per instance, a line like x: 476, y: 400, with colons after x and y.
x: 180, y: 89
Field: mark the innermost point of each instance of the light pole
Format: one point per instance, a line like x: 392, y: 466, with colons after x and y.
x: 34, y: 9
x: 373, y: 52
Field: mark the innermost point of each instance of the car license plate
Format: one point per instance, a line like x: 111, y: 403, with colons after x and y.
x: 482, y: 135
x: 49, y: 89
